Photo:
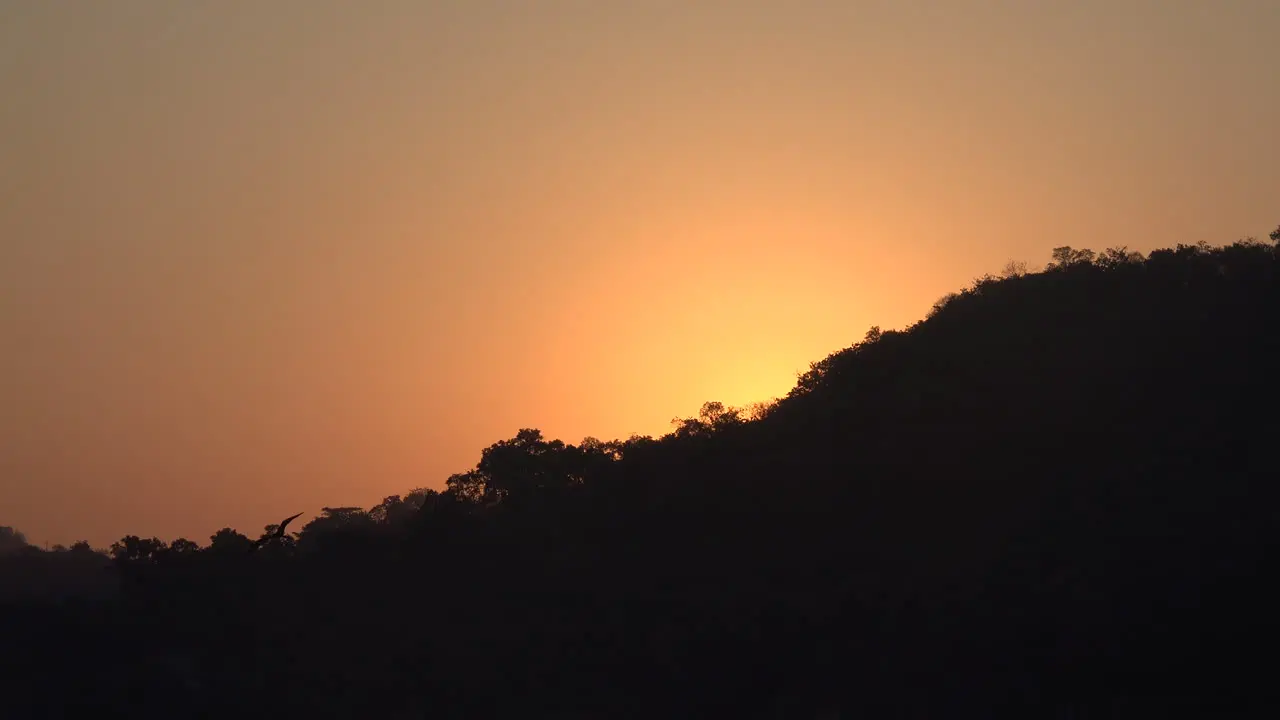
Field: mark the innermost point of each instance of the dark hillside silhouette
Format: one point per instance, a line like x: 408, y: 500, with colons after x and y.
x: 1055, y: 494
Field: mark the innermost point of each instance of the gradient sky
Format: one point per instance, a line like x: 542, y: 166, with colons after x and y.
x: 262, y: 257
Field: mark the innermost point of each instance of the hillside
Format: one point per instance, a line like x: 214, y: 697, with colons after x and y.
x: 1056, y: 491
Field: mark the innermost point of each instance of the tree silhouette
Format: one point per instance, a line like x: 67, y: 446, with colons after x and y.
x: 227, y: 540
x: 134, y: 548
x: 1067, y: 257
x: 1054, y: 492
x: 11, y: 540
x: 183, y: 546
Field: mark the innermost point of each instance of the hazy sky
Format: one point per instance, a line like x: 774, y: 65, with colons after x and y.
x: 261, y: 257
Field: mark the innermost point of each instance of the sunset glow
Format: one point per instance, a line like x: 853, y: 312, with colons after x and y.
x: 261, y: 257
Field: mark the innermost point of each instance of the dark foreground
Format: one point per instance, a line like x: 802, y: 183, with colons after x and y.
x: 1054, y: 497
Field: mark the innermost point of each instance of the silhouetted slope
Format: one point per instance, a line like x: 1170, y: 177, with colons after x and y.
x: 1056, y: 491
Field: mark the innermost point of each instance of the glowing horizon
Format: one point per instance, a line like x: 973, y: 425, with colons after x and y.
x: 266, y: 257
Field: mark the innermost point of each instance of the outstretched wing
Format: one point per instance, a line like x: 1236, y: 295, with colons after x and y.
x: 285, y: 522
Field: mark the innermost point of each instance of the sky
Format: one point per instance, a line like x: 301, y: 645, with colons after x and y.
x: 264, y: 257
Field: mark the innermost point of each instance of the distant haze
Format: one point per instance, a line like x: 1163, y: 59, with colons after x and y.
x: 261, y: 257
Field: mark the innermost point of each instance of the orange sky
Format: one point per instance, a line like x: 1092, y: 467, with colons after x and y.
x: 261, y: 257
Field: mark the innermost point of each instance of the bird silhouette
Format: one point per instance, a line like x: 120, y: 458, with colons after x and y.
x: 277, y: 533
x: 284, y: 523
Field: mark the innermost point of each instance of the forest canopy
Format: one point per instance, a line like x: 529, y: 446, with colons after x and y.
x: 1056, y: 490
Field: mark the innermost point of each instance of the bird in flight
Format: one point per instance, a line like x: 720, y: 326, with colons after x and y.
x: 277, y: 533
